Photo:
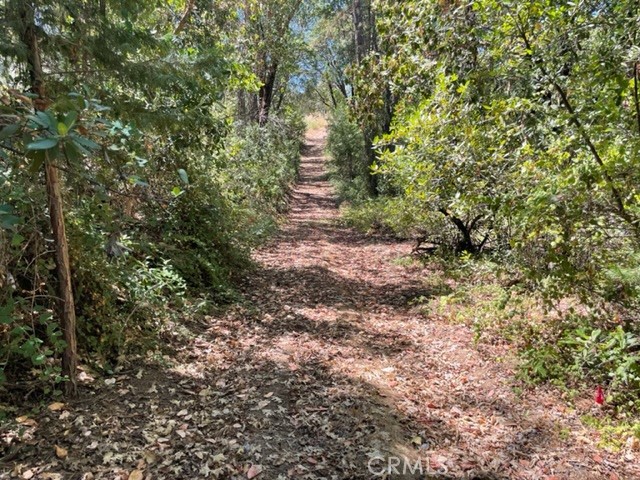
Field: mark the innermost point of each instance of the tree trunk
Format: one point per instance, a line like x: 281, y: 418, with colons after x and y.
x: 333, y: 97
x: 66, y: 304
x: 465, y: 244
x: 370, y: 153
x: 358, y: 30
x: 242, y: 105
x: 365, y: 40
x: 281, y: 96
x: 266, y: 94
x: 66, y: 307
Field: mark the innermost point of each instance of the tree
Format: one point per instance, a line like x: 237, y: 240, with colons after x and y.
x: 66, y: 302
x: 155, y: 192
x: 372, y: 100
x: 72, y: 58
x: 270, y: 42
x: 332, y: 51
x: 517, y: 126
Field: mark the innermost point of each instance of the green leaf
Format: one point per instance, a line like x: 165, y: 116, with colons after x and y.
x: 135, y: 180
x: 16, y: 240
x: 6, y: 312
x: 84, y: 142
x: 52, y: 121
x: 38, y: 359
x: 43, y: 144
x: 176, y: 191
x: 183, y: 176
x: 7, y: 219
x: 38, y: 157
x: 39, y: 119
x: 73, y: 151
x: 9, y: 131
x: 62, y: 128
x: 70, y: 119
x: 46, y: 120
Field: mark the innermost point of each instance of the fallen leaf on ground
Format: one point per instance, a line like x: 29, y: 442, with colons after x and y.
x: 85, y: 377
x: 254, y: 471
x: 50, y: 476
x: 24, y: 420
x: 56, y: 406
x: 61, y: 452
x: 136, y: 475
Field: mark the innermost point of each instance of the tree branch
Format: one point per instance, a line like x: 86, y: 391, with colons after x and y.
x: 615, y: 193
x: 185, y: 16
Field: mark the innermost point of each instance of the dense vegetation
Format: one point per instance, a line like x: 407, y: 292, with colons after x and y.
x: 144, y: 149
x: 506, y: 140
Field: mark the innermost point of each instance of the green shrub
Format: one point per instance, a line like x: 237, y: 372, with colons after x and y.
x: 261, y: 164
x: 582, y: 352
x: 142, y: 249
x: 348, y: 164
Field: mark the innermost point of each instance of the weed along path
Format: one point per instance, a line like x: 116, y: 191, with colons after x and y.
x: 325, y: 370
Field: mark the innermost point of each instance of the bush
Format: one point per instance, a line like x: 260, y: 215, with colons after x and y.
x: 261, y: 165
x: 579, y: 352
x: 348, y: 165
x: 142, y: 250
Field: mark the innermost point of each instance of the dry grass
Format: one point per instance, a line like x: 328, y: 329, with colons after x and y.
x: 316, y: 121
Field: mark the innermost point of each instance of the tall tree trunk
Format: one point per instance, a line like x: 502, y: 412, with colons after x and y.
x: 333, y: 97
x: 266, y: 94
x: 66, y: 304
x: 364, y: 29
x: 358, y: 29
x: 254, y: 107
x: 282, y: 93
x: 242, y: 105
x: 372, y: 179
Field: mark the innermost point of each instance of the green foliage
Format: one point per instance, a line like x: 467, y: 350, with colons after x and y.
x: 381, y: 214
x: 164, y: 191
x: 514, y: 132
x: 497, y: 140
x: 602, y: 357
x: 29, y: 339
x: 568, y: 348
x: 262, y: 163
x: 614, y: 435
x: 349, y: 165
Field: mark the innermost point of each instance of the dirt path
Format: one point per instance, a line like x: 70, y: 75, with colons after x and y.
x: 324, y: 371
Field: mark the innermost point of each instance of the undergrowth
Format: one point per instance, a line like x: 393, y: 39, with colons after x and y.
x: 572, y: 346
x: 142, y: 263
